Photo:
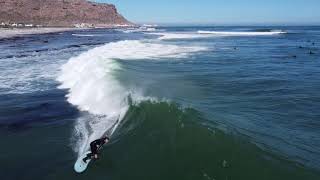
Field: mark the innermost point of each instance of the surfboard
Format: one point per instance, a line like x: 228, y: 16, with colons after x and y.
x: 80, y: 166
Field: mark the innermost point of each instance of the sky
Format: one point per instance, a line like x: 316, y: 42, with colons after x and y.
x: 224, y: 12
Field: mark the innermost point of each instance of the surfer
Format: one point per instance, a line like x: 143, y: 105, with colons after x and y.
x: 95, y: 146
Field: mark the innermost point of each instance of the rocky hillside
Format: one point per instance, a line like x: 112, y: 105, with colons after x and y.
x: 65, y: 13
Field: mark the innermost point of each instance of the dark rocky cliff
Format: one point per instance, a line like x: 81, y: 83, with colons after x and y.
x: 66, y: 13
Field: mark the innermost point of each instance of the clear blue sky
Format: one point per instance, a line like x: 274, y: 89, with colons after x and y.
x: 220, y: 11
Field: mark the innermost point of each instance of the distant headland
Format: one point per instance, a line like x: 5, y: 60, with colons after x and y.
x: 59, y: 13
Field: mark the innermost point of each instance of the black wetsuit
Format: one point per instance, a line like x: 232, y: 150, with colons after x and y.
x: 94, y: 146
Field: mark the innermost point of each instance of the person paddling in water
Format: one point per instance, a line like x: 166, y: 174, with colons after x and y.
x: 95, y: 146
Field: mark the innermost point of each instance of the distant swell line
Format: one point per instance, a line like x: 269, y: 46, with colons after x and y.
x: 230, y: 33
x: 210, y: 34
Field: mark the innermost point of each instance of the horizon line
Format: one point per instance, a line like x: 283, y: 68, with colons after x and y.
x: 229, y: 24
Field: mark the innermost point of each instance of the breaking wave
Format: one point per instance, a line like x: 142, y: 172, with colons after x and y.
x: 94, y: 89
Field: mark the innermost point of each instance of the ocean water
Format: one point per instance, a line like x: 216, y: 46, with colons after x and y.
x: 178, y: 102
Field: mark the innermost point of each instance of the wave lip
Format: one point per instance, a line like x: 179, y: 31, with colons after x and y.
x: 231, y: 33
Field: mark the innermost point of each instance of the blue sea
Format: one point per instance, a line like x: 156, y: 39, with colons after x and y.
x: 179, y: 102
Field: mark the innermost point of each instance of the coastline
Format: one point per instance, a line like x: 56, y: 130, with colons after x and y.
x: 17, y: 32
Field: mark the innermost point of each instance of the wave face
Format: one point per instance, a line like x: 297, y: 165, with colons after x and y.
x: 160, y: 138
x: 94, y: 89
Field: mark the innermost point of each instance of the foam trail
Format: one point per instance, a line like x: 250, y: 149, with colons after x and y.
x: 94, y: 89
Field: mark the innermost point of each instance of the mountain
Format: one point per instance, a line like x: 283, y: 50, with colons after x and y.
x: 60, y: 13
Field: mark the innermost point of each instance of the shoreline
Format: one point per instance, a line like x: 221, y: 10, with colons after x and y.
x: 6, y: 33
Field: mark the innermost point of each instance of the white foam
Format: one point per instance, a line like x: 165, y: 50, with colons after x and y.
x: 230, y: 33
x: 93, y: 87
x: 34, y: 72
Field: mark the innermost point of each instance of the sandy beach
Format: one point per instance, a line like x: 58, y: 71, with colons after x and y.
x: 9, y: 33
